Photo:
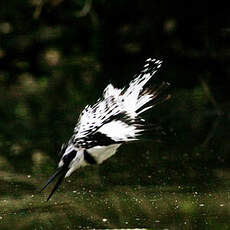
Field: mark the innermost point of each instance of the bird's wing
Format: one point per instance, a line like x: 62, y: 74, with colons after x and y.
x: 105, y: 123
x: 94, y: 116
x: 115, y: 117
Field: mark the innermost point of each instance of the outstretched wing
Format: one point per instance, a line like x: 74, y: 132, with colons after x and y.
x: 115, y: 117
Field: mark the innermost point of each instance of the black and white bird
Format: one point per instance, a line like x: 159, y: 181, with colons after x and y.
x: 113, y: 120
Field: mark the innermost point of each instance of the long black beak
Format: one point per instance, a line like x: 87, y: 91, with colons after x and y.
x: 62, y: 172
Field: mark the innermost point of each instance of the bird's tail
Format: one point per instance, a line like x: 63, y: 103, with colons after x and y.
x: 150, y: 97
x: 133, y: 100
x: 137, y: 98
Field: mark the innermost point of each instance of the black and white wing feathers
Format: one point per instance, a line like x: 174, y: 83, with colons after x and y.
x: 115, y: 118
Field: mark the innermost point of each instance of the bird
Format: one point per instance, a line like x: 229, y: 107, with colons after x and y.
x: 114, y: 119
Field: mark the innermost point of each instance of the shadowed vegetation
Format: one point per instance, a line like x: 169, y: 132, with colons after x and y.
x: 57, y: 56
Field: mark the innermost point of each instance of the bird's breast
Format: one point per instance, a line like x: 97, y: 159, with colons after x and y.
x: 102, y: 153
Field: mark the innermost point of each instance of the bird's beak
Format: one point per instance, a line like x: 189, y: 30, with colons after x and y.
x: 60, y: 171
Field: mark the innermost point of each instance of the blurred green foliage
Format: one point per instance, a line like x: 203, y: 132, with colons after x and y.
x: 57, y: 56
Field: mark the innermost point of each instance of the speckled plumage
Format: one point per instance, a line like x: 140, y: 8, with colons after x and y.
x: 111, y: 121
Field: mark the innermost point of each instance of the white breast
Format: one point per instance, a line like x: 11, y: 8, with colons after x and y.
x: 101, y: 153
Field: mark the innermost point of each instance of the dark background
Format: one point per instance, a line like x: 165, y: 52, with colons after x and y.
x: 57, y: 56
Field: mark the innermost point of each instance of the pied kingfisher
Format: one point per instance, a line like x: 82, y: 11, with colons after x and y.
x: 114, y: 119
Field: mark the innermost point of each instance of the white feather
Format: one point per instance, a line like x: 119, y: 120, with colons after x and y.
x: 101, y: 153
x: 115, y: 101
x: 119, y: 131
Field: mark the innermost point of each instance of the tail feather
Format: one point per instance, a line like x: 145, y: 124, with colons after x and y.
x: 137, y: 98
x: 151, y: 97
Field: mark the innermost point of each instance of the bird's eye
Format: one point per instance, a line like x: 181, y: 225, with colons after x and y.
x: 69, y: 157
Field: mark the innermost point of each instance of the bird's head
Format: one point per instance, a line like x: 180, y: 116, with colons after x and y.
x: 69, y: 162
